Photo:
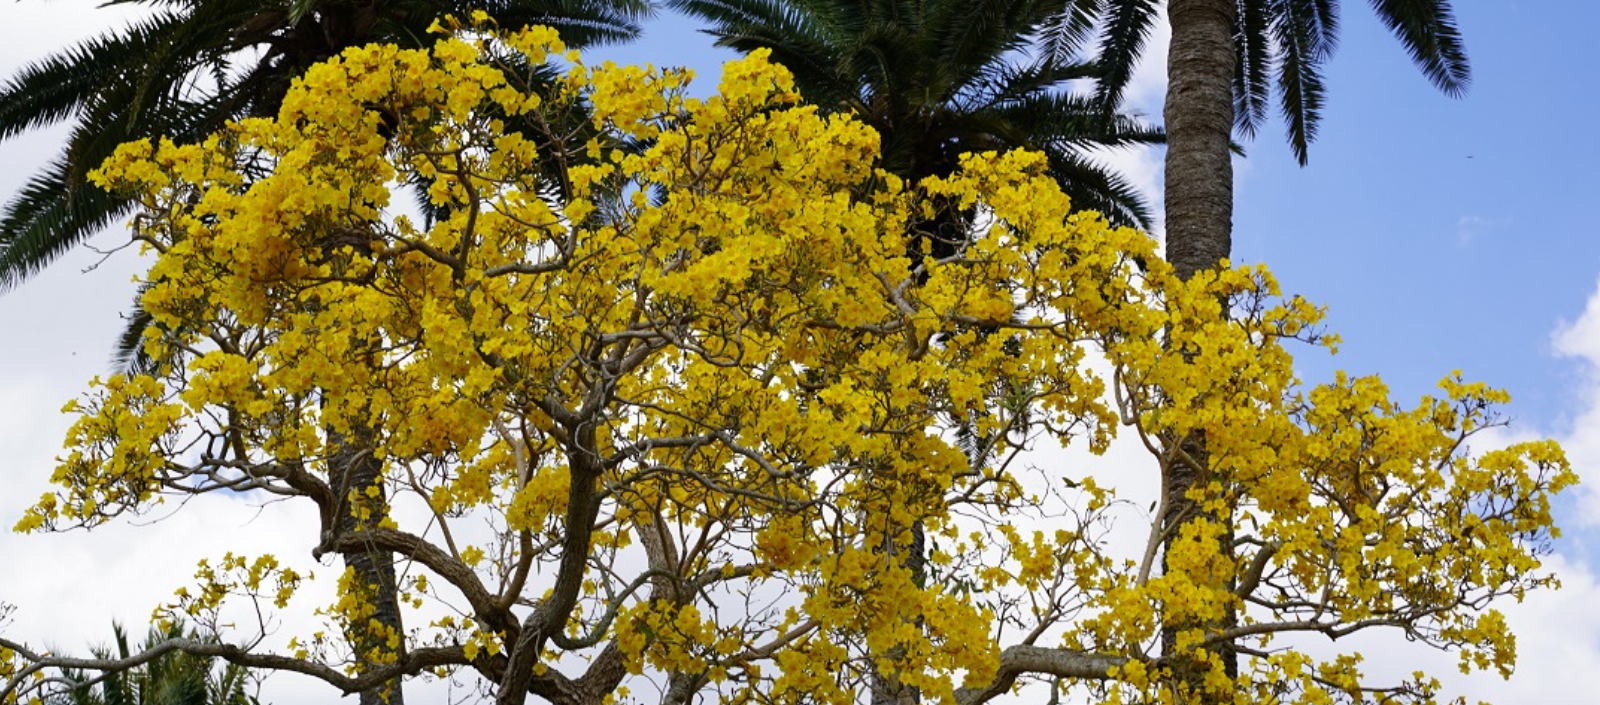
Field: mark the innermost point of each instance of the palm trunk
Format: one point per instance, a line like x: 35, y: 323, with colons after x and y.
x: 1199, y: 221
x: 1199, y: 122
x: 355, y: 469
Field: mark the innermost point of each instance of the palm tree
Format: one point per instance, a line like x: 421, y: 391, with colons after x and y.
x: 1224, y: 60
x: 173, y: 678
x: 1224, y: 57
x: 184, y: 73
x: 939, y: 78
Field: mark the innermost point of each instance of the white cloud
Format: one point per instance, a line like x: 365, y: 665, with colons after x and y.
x: 59, y: 328
x: 58, y: 332
x: 1558, y: 631
x: 1469, y: 228
x: 1147, y: 91
x: 1580, y: 340
x: 68, y: 588
x: 1558, y: 648
x: 33, y: 30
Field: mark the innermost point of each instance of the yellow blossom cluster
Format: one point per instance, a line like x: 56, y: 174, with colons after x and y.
x: 728, y: 427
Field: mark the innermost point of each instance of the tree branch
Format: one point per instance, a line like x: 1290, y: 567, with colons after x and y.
x: 1021, y: 659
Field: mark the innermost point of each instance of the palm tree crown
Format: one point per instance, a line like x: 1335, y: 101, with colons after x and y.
x: 173, y: 678
x: 940, y: 77
x: 1281, y: 42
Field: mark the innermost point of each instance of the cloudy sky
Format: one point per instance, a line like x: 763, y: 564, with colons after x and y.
x: 1440, y: 234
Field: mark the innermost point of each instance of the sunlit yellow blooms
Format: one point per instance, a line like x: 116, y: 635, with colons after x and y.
x: 676, y: 375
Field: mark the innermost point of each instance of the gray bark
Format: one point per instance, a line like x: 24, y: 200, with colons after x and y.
x: 886, y: 687
x: 550, y: 617
x: 1199, y: 122
x: 1199, y: 221
x: 1023, y: 658
x: 356, y: 469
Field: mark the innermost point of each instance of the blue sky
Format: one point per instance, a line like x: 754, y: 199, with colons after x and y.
x: 1445, y: 233
x: 1440, y: 233
x: 1449, y: 233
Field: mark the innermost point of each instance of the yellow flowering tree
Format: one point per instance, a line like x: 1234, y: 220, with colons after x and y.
x: 658, y: 403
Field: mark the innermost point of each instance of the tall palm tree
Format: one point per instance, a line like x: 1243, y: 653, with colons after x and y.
x: 185, y: 72
x: 941, y: 77
x: 1224, y: 59
x: 173, y: 678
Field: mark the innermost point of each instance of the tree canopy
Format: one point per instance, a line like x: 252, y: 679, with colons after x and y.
x: 940, y: 78
x: 667, y: 429
x: 193, y: 65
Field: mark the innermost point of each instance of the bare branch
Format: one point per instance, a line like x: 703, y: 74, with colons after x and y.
x: 1019, y: 660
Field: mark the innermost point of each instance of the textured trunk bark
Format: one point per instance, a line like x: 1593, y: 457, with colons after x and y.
x: 1199, y: 222
x: 552, y: 613
x: 357, y: 470
x: 1199, y: 122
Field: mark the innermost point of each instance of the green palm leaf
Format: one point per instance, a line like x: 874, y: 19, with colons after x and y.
x: 1252, y: 87
x: 1300, y: 86
x: 52, y: 89
x: 1127, y: 28
x: 1428, y: 30
x: 1276, y: 42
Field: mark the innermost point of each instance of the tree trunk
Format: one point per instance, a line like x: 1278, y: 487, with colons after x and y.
x: 1199, y: 122
x: 886, y: 687
x: 1199, y: 222
x: 355, y: 469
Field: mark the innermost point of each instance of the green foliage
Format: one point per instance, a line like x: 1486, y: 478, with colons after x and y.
x: 172, y: 678
x: 1286, y: 42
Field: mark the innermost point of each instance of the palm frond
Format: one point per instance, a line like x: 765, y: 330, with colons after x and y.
x: 1076, y: 122
x: 47, y: 218
x: 185, y: 72
x: 129, y: 355
x: 582, y: 23
x: 749, y: 13
x: 1322, y: 17
x: 1300, y: 85
x: 940, y: 77
x: 797, y: 39
x: 1428, y: 30
x: 52, y: 89
x: 836, y: 23
x: 1253, y: 62
x: 1065, y: 34
x: 1003, y: 83
x: 878, y: 59
x: 1094, y: 186
x: 968, y: 34
x: 172, y: 678
x: 1127, y: 28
